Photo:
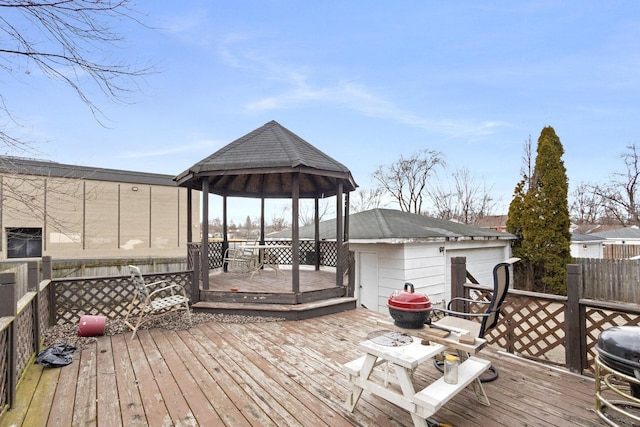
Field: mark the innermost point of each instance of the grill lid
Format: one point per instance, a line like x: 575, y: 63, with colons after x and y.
x: 621, y: 345
x: 409, y: 300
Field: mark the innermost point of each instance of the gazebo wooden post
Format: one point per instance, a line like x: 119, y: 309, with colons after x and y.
x: 262, y: 220
x: 189, y: 215
x: 225, y: 230
x: 204, y: 252
x: 316, y: 238
x: 339, y: 236
x: 346, y: 217
x: 295, y: 234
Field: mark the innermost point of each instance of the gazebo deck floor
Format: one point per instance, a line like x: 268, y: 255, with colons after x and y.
x: 270, y: 281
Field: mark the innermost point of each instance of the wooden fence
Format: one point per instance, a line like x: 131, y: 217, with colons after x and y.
x: 618, y: 251
x: 22, y: 321
x: 610, y: 279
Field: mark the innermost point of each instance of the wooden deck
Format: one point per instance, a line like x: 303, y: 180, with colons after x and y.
x: 272, y: 374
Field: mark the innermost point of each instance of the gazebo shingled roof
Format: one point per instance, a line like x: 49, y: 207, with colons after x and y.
x: 261, y: 165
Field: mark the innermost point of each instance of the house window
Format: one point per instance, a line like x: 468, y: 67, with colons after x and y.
x: 24, y: 242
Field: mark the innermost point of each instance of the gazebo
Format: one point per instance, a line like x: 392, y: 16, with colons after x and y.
x: 267, y: 163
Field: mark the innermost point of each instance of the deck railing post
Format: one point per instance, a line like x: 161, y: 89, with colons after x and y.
x: 47, y: 268
x: 9, y: 308
x: 33, y: 285
x: 574, y: 317
x: 458, y: 279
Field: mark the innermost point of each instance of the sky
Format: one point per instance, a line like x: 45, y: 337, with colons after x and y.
x: 366, y: 82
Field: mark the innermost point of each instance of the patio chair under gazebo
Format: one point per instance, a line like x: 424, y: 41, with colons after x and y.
x: 272, y: 162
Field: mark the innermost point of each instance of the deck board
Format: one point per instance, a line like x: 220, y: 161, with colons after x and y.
x: 274, y: 374
x: 62, y: 408
x: 132, y: 411
x: 109, y: 414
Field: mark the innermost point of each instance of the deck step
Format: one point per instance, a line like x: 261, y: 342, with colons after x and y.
x: 286, y: 311
x: 438, y: 393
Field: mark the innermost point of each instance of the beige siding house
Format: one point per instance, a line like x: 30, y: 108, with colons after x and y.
x: 70, y: 212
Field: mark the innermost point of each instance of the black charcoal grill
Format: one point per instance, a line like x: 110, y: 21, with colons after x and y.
x: 619, y: 349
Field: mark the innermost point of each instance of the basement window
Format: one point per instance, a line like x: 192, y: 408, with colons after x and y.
x: 24, y: 242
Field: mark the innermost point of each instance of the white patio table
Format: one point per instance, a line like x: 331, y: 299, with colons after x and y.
x: 393, y: 381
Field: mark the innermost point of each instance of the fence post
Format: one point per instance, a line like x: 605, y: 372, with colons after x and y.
x: 33, y: 285
x: 9, y: 308
x: 575, y: 345
x: 47, y: 268
x: 458, y: 279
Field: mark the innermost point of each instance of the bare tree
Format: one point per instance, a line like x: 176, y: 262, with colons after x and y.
x: 406, y: 179
x: 307, y: 212
x: 366, y: 199
x: 466, y: 201
x: 620, y: 195
x: 528, y: 163
x: 586, y: 206
x: 71, y: 41
x: 279, y: 221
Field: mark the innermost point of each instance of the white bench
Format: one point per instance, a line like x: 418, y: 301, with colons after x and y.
x: 434, y: 396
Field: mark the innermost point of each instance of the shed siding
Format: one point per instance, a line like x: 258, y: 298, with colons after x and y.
x: 428, y: 269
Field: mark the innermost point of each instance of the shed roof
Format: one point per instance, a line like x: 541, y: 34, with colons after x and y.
x: 390, y: 224
x: 584, y: 238
x: 262, y: 164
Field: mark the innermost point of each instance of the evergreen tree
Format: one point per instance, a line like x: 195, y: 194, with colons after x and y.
x: 539, y: 217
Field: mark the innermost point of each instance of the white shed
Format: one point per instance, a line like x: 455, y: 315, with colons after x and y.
x: 586, y: 246
x: 393, y: 247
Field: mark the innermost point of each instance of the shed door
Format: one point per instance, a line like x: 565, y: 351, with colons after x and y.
x: 368, y: 280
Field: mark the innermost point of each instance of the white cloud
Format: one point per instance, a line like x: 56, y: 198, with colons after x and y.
x: 197, y: 146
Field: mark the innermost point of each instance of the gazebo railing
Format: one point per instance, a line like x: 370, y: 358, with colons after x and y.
x: 328, y: 252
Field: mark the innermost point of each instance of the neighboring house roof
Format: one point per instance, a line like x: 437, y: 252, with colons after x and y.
x: 586, y: 238
x: 390, y: 224
x: 593, y: 228
x: 22, y: 166
x: 496, y: 222
x: 264, y: 163
x: 620, y: 233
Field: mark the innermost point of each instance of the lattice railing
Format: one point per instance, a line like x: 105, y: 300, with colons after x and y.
x: 599, y: 319
x: 328, y: 253
x: 530, y: 325
x: 25, y: 344
x: 44, y: 306
x: 104, y: 296
x: 533, y: 325
x: 4, y: 367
